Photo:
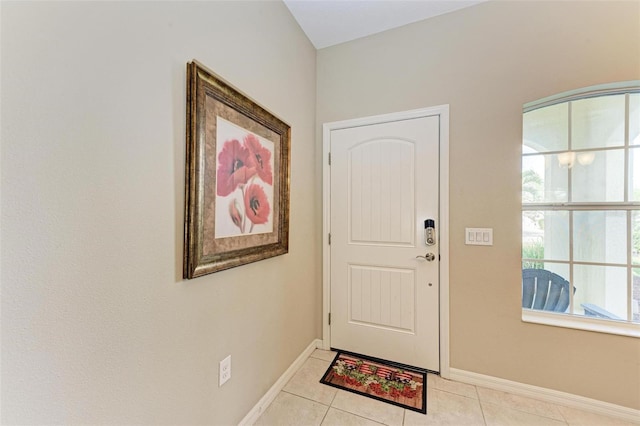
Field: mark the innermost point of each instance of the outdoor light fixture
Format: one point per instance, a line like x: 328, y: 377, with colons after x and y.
x: 568, y: 159
x: 586, y: 158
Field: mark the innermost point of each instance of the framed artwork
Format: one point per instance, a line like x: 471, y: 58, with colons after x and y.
x: 237, y: 178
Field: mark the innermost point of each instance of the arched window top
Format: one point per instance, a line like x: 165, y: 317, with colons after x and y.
x: 618, y: 88
x: 588, y: 118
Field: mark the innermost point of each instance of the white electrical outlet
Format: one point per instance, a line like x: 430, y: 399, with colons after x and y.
x: 225, y: 370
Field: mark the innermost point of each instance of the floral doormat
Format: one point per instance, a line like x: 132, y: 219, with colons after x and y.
x: 386, y: 381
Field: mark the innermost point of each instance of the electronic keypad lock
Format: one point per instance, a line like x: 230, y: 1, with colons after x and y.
x: 429, y: 232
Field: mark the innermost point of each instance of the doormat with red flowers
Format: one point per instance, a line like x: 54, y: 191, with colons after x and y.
x: 386, y: 381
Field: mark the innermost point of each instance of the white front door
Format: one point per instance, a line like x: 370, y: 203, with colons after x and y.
x: 384, y: 284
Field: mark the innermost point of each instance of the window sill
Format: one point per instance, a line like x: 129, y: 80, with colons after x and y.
x: 622, y: 328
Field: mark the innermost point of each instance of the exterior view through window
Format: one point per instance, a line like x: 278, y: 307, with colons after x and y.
x: 581, y: 205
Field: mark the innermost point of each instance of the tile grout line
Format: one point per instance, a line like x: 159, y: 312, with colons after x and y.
x: 514, y: 408
x: 528, y: 413
x: 358, y: 415
x: 562, y: 415
x: 484, y: 418
x: 325, y: 415
x: 457, y: 394
x: 480, y: 400
x: 304, y: 397
x: 334, y: 398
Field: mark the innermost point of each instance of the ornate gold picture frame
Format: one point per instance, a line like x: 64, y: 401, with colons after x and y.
x: 237, y: 178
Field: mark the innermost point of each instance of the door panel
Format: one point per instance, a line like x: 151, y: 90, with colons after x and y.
x: 384, y: 184
x: 382, y: 297
x: 380, y: 200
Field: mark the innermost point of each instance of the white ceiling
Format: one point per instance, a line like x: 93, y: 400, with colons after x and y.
x: 330, y: 22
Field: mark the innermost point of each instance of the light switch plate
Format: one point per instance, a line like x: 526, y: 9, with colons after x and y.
x: 478, y: 236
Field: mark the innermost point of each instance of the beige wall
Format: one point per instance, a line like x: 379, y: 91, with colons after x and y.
x: 485, y: 62
x: 97, y: 324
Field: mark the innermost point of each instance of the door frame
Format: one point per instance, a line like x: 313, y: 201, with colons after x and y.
x: 442, y: 111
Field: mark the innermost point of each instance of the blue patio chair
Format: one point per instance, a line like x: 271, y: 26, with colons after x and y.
x: 544, y: 290
x: 591, y: 310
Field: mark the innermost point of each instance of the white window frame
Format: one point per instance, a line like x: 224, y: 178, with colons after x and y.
x: 576, y: 321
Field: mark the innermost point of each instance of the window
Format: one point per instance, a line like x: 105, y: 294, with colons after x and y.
x: 581, y: 204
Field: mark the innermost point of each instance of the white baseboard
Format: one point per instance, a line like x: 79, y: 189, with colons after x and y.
x: 548, y: 395
x: 271, y: 394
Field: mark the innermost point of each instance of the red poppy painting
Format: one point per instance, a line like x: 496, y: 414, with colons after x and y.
x: 236, y: 177
x: 244, y: 182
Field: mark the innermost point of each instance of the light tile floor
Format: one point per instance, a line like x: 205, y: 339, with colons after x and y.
x: 305, y: 401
